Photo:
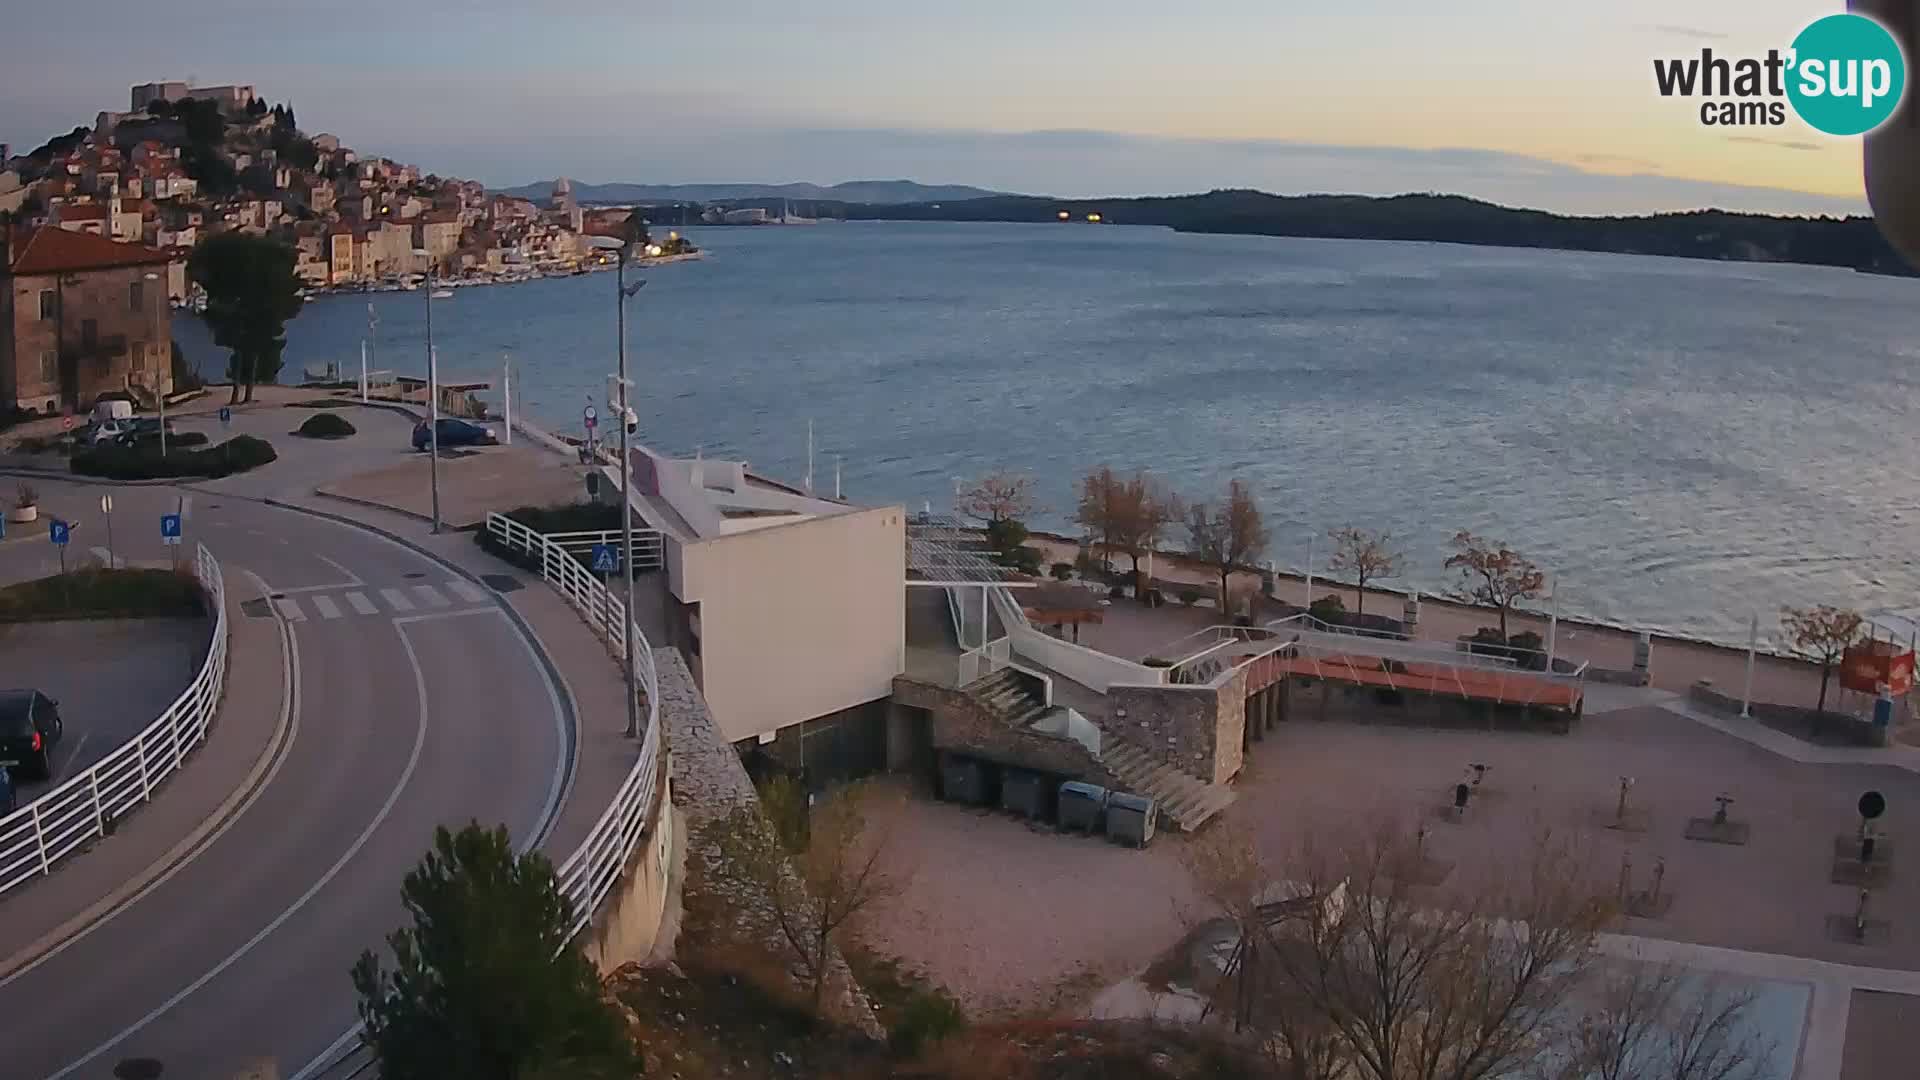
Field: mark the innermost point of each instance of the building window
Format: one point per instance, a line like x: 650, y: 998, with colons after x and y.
x: 136, y: 295
x: 49, y: 305
x: 49, y: 366
x: 89, y: 333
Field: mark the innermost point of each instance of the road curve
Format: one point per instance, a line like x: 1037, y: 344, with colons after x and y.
x: 415, y: 702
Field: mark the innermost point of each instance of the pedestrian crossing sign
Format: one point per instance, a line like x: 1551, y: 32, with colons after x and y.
x: 605, y: 561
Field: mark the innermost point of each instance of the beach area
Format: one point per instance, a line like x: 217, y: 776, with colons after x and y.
x: 1677, y: 663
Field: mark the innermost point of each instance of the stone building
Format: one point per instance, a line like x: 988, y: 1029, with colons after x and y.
x: 80, y: 315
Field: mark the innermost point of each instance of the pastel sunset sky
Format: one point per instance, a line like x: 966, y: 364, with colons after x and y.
x: 1536, y: 104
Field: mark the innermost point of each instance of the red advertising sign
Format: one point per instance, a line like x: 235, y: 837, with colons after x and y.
x: 1870, y: 665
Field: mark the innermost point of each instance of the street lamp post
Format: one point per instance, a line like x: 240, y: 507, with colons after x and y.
x: 623, y: 292
x: 433, y: 397
x: 161, y: 385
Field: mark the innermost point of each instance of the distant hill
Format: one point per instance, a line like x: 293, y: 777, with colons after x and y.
x: 1851, y: 242
x: 870, y: 192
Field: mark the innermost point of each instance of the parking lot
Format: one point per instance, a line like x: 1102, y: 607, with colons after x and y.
x: 112, y: 677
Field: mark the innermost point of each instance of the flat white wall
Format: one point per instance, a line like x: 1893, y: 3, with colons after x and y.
x: 797, y: 620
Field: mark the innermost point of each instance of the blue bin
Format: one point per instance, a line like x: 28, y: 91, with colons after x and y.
x: 1082, y: 805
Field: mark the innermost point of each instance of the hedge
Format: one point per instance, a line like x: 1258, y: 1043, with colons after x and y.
x: 325, y: 425
x: 144, y: 462
x: 98, y: 593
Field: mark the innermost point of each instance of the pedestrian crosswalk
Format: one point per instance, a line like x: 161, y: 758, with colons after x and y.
x: 349, y: 603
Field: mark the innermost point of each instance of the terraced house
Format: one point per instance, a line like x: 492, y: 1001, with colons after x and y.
x: 80, y: 315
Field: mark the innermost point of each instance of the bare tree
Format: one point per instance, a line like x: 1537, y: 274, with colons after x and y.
x: 1423, y: 984
x: 814, y: 883
x: 1001, y: 495
x: 1657, y: 1022
x: 1097, y: 509
x: 1365, y: 554
x: 1821, y: 634
x: 1144, y: 511
x: 1496, y: 575
x: 1227, y: 538
x: 1226, y: 865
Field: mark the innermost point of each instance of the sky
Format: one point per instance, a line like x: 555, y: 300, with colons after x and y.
x: 1538, y: 104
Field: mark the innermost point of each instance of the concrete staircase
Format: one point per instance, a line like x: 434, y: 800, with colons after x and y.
x: 1008, y: 698
x: 1184, y: 799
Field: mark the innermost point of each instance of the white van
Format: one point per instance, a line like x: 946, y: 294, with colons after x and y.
x: 111, y: 409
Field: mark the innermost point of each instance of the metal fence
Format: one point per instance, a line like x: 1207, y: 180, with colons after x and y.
x: 590, y: 873
x: 647, y: 550
x: 86, y: 805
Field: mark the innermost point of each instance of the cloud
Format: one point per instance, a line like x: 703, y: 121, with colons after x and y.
x: 1693, y: 32
x: 1784, y: 144
x: 1618, y: 161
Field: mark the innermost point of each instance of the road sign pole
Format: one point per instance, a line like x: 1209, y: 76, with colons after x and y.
x: 106, y: 509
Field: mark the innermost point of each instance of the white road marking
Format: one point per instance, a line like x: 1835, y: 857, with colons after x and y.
x: 386, y: 808
x: 352, y: 579
x: 430, y: 596
x: 289, y: 718
x: 466, y: 590
x: 359, y: 603
x: 327, y: 608
x: 290, y: 609
x: 396, y: 599
x: 73, y: 755
x: 557, y: 793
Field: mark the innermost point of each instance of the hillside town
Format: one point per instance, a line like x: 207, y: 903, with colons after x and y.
x: 104, y: 219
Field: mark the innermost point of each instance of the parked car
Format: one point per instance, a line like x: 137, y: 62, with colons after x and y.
x: 30, y: 725
x: 141, y: 431
x: 453, y: 433
x: 9, y: 795
x: 106, y: 431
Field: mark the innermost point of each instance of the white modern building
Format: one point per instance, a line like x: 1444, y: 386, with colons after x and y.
x: 789, y: 606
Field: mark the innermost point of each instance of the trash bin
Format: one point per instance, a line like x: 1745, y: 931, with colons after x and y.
x: 1024, y: 793
x: 1130, y: 819
x: 962, y: 780
x: 1082, y: 805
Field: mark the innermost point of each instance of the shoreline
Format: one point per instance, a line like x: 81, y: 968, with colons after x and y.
x: 328, y: 292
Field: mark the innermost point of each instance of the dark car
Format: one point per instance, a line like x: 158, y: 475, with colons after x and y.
x: 9, y: 795
x: 143, y: 430
x: 453, y: 433
x: 29, y: 726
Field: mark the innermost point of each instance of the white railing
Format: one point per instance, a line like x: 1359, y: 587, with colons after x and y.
x: 591, y: 872
x: 977, y: 664
x: 86, y: 806
x: 647, y: 546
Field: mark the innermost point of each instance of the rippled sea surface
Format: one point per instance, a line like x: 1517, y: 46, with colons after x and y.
x: 1680, y: 443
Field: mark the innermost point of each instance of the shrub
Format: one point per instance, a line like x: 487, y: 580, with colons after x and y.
x: 325, y: 425
x: 1084, y: 561
x: 1189, y: 597
x: 1062, y: 571
x: 144, y: 462
x: 1116, y: 592
x: 1328, y: 609
x: 1027, y: 560
x: 928, y: 1017
x: 102, y: 593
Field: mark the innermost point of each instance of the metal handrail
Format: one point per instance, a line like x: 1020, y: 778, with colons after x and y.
x: 649, y: 551
x: 86, y: 806
x: 592, y: 871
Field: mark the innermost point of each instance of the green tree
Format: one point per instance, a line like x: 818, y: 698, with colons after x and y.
x: 252, y: 291
x: 485, y: 984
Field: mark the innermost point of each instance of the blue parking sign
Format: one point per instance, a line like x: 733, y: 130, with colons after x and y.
x: 170, y: 527
x: 58, y: 531
x: 226, y: 415
x: 605, y: 559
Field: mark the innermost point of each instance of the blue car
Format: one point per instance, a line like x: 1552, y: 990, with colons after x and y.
x: 453, y: 433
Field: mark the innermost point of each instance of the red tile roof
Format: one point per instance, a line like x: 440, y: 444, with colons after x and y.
x: 53, y: 250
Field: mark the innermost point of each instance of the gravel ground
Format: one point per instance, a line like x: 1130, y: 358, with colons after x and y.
x: 1016, y: 919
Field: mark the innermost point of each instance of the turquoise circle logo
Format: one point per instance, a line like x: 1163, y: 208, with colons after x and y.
x: 1848, y: 74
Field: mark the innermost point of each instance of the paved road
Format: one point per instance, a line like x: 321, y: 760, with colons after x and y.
x: 416, y: 703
